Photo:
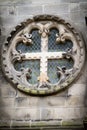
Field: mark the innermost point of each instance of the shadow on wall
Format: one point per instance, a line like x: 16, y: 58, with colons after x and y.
x: 4, y: 117
x: 86, y: 63
x: 85, y: 98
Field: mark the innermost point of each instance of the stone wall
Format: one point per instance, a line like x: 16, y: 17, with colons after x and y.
x: 65, y: 109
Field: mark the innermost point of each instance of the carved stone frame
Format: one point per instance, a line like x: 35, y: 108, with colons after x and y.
x: 9, y: 54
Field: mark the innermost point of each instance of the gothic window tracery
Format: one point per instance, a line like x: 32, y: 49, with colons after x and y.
x: 43, y: 55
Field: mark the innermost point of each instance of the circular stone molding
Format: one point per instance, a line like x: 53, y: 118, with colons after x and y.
x: 22, y: 33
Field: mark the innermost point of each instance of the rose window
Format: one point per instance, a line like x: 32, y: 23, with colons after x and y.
x: 43, y: 55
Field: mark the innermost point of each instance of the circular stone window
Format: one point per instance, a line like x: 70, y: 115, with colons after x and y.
x: 43, y: 55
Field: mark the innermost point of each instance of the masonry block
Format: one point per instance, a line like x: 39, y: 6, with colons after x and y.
x: 56, y: 9
x: 74, y: 7
x: 4, y: 10
x: 6, y: 30
x: 15, y: 124
x: 77, y: 89
x: 7, y: 9
x: 23, y: 17
x: 83, y: 5
x: 7, y: 90
x: 34, y: 101
x: 56, y: 101
x: 77, y: 16
x: 4, y: 123
x: 26, y: 114
x: 41, y: 2
x: 21, y: 102
x: 12, y: 10
x: 47, y: 113
x: 6, y: 102
x: 69, y: 113
x: 73, y: 1
x: 28, y: 10
x: 76, y: 123
x: 20, y: 94
x: 75, y: 101
x: 45, y: 123
x: 9, y: 21
x: 2, y: 38
x: 6, y: 113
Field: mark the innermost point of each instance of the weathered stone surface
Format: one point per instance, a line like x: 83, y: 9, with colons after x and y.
x: 65, y: 108
x: 73, y: 1
x: 45, y: 2
x: 21, y: 102
x: 4, y: 123
x: 26, y: 114
x: 6, y: 10
x: 82, y: 79
x: 3, y: 10
x: 22, y: 124
x: 56, y: 101
x: 65, y: 16
x: 56, y: 9
x: 46, y: 123
x: 77, y: 17
x: 73, y: 122
x: 62, y: 94
x: 7, y: 90
x: 6, y: 113
x: 28, y: 10
x: 21, y: 18
x: 83, y: 5
x: 12, y: 10
x: 39, y: 2
x: 33, y: 101
x: 20, y: 94
x: 5, y: 30
x: 69, y: 113
x: 47, y: 113
x: 6, y: 102
x: 77, y: 89
x: 14, y: 2
x: 2, y: 38
x: 6, y: 22
x: 74, y: 7
x: 75, y: 101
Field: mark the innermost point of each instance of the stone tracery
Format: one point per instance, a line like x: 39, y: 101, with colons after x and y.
x: 43, y: 23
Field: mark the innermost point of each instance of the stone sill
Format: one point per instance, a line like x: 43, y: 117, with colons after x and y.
x: 44, y: 125
x: 42, y: 128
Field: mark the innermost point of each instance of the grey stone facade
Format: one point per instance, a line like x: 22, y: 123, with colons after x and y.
x: 63, y: 110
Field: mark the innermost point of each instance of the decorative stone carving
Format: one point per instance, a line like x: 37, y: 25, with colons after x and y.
x: 27, y: 38
x: 22, y: 32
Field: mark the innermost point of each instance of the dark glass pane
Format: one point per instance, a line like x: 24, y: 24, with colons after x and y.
x: 33, y: 65
x: 54, y: 46
x: 52, y: 68
x: 35, y: 47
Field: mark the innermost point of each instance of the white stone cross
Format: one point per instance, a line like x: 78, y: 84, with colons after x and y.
x: 44, y: 55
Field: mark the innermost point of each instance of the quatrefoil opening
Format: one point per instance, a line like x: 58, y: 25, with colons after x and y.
x: 43, y: 56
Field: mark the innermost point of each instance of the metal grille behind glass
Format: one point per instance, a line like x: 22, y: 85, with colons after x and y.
x: 33, y: 65
x: 54, y: 46
x: 35, y: 46
x: 52, y: 68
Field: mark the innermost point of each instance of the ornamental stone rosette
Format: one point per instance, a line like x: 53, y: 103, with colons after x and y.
x: 24, y: 33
